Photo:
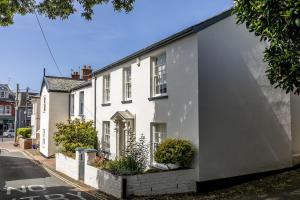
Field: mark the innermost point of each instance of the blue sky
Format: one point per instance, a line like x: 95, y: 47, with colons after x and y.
x: 107, y: 38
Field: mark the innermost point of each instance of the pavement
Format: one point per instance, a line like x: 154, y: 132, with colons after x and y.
x: 33, y: 177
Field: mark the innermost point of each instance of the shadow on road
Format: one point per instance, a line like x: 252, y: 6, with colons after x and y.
x: 13, y: 167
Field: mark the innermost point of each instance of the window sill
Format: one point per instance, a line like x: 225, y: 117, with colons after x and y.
x: 105, y: 104
x: 126, y: 101
x: 158, y: 97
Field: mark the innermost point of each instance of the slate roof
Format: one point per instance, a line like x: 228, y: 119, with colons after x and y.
x: 61, y: 84
x: 83, y: 85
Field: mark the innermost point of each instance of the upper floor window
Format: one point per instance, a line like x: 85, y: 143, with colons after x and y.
x: 7, y: 110
x: 127, y: 83
x: 159, y: 75
x: 72, y: 104
x: 2, y: 94
x: 29, y: 112
x: 1, y: 110
x: 106, y: 89
x: 81, y: 103
x: 158, y: 134
x: 44, y: 104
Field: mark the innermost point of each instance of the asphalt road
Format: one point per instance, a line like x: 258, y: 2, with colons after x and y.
x: 20, y: 179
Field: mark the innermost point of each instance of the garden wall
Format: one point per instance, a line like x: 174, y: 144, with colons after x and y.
x: 67, y: 165
x: 103, y: 181
x: 166, y: 182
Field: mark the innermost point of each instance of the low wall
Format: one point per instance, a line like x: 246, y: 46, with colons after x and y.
x: 25, y: 143
x: 103, y: 181
x: 167, y: 182
x: 67, y: 165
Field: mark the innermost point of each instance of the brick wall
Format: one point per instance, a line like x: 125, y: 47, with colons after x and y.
x: 179, y: 181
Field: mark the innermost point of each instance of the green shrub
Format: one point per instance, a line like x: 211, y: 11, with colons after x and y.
x: 175, y: 151
x: 124, y: 166
x: 25, y: 132
x: 76, y: 133
x: 134, y: 159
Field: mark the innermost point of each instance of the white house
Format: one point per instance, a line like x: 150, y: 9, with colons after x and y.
x: 207, y: 84
x: 82, y: 102
x: 54, y: 108
x: 35, y: 117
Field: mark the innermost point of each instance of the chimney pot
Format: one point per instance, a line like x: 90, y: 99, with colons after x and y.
x: 86, y: 72
x: 75, y: 76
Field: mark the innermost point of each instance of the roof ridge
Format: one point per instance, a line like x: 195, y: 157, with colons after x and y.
x: 184, y: 32
x: 63, y: 77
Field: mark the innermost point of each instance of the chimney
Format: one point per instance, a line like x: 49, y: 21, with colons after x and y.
x: 75, y: 76
x: 86, y: 72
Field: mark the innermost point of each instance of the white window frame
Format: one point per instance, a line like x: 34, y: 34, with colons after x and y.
x: 159, y: 75
x: 106, y: 136
x: 7, y: 110
x: 44, y: 103
x: 72, y: 104
x: 29, y: 112
x: 2, y: 94
x: 81, y: 103
x: 106, y: 88
x: 127, y: 86
x: 1, y: 110
x: 43, y: 137
x: 158, y: 134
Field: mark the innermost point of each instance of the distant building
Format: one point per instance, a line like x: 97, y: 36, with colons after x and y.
x: 7, y: 108
x: 24, y: 109
x: 35, y: 118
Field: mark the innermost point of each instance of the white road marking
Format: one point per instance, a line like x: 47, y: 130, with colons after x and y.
x: 30, y: 198
x: 9, y: 189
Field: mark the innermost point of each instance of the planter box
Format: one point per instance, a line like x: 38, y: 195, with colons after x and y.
x: 67, y: 165
x: 25, y: 143
x: 167, y: 182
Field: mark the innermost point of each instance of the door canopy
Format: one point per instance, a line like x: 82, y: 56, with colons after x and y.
x: 122, y: 115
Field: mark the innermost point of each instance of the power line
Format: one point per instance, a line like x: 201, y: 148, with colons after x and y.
x: 46, y: 41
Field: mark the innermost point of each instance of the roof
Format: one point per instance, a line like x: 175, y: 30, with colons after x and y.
x: 61, y: 84
x: 83, y: 85
x: 186, y: 32
x: 4, y: 87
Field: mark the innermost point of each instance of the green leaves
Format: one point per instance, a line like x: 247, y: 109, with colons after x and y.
x: 25, y: 132
x: 278, y: 23
x: 174, y: 151
x: 56, y: 8
x: 76, y: 133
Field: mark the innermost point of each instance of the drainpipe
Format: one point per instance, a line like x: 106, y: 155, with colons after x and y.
x: 95, y: 101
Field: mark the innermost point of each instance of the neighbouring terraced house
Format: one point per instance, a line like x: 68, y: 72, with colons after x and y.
x: 206, y: 84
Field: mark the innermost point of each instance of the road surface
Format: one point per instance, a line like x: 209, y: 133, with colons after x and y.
x: 22, y: 179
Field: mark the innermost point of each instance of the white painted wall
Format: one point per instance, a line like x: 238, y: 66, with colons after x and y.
x: 67, y: 165
x: 179, y: 111
x: 295, y: 113
x: 88, y: 103
x: 35, y: 117
x: 57, y: 110
x: 244, y: 123
x: 44, y: 122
